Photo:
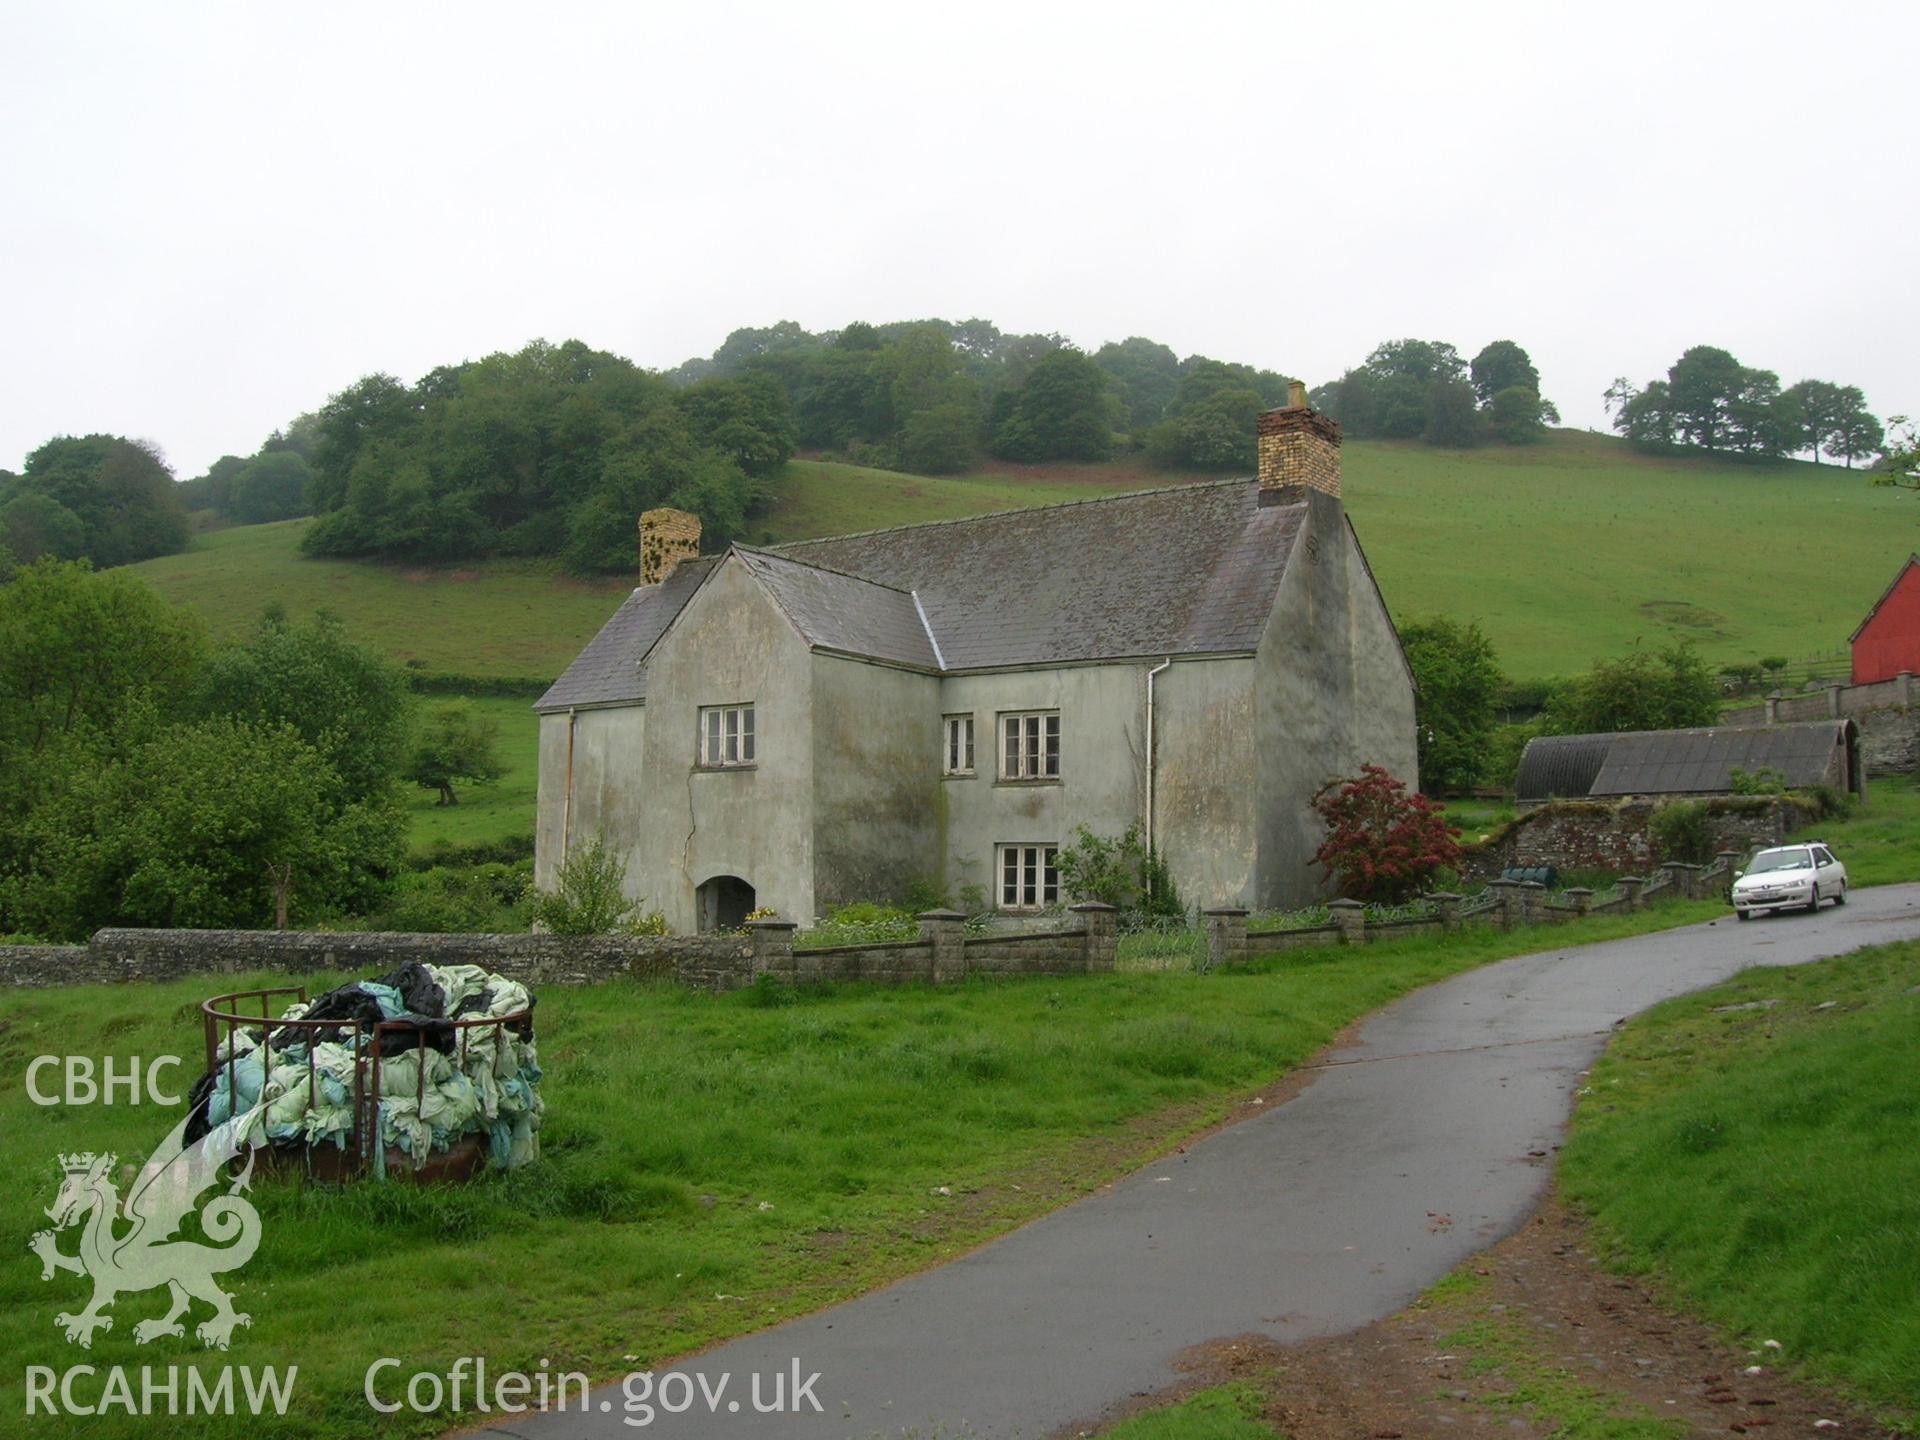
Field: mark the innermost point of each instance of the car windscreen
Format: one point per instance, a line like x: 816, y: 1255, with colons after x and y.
x: 1780, y: 860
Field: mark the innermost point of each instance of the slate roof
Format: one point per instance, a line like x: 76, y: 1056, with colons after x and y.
x: 1676, y: 762
x: 844, y: 612
x: 608, y: 671
x: 1692, y: 762
x: 1184, y: 571
x: 1189, y: 570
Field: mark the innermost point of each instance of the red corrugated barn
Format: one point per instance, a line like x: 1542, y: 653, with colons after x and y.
x: 1888, y: 640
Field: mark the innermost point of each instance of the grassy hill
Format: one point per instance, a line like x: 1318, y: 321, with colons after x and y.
x: 1565, y: 552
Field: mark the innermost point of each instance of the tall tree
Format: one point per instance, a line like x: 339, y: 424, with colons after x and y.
x: 271, y: 486
x: 1452, y: 419
x: 1063, y: 411
x: 79, y: 649
x: 1459, y: 684
x: 348, y: 702
x: 455, y: 745
x: 121, y: 491
x: 1702, y: 387
x: 1503, y: 365
x: 1147, y: 373
x: 1664, y: 690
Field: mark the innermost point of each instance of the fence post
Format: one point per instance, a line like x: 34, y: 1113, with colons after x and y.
x: 1351, y: 917
x: 1447, y: 905
x: 1727, y: 864
x: 1226, y: 936
x: 1686, y: 878
x: 1506, y: 894
x: 771, y: 942
x: 945, y: 932
x: 1833, y: 699
x: 1533, y: 901
x: 1581, y: 899
x: 1101, y: 924
x: 1630, y: 887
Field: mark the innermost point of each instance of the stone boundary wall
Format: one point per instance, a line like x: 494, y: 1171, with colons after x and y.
x: 1615, y: 835
x: 1887, y: 712
x: 113, y: 956
x: 1510, y: 904
x: 702, y: 962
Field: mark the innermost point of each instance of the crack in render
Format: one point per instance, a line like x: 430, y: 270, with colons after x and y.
x: 1459, y: 1049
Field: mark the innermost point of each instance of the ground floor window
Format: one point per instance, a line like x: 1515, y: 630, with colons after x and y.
x: 1028, y: 880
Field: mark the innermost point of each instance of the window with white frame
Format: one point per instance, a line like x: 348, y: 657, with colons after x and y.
x: 1028, y: 880
x: 959, y: 751
x: 726, y: 736
x: 1030, y: 746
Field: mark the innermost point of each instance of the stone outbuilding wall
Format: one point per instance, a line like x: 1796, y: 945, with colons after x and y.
x: 1616, y: 836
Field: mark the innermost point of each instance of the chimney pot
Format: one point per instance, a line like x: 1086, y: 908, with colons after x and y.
x: 667, y: 536
x: 1296, y: 394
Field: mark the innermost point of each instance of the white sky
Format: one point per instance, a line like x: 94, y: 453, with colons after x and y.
x: 218, y: 215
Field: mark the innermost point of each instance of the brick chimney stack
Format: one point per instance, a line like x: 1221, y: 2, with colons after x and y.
x: 1299, y: 451
x: 667, y: 537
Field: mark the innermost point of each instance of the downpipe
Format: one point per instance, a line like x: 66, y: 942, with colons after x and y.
x: 1164, y: 665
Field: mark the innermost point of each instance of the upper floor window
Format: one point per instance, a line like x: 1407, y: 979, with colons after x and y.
x: 726, y: 735
x: 958, y: 758
x: 1030, y: 746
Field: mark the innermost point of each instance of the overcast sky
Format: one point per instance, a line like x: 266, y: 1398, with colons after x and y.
x: 217, y: 216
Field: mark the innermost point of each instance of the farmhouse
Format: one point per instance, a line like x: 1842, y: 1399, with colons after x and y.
x: 816, y: 723
x: 1888, y: 640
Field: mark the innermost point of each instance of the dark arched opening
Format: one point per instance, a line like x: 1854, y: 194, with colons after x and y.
x: 725, y: 901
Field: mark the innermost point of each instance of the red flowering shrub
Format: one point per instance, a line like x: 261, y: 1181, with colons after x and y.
x: 1382, y: 843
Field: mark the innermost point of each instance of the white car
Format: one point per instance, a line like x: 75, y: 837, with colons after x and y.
x: 1790, y: 877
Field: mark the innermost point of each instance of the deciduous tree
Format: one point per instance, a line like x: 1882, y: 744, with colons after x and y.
x: 455, y: 745
x: 1459, y: 684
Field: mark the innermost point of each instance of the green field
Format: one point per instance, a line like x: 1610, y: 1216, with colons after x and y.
x: 1565, y: 551
x: 711, y: 1163
x: 489, y: 618
x: 1753, y: 1145
x: 485, y: 812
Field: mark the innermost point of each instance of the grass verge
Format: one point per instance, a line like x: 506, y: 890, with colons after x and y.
x: 1515, y: 1375
x: 1754, y: 1147
x: 1224, y: 1412
x: 712, y: 1164
x: 1879, y: 842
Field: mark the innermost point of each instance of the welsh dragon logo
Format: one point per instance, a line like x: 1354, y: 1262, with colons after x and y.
x: 127, y: 1246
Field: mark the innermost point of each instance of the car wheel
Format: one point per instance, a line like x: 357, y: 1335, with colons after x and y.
x: 1744, y: 914
x: 1814, y: 903
x: 1841, y: 898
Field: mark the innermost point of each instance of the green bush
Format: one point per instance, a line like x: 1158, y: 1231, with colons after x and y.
x: 1680, y: 831
x: 864, y: 923
x: 1764, y: 781
x: 1119, y: 872
x: 485, y: 899
x: 590, y: 898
